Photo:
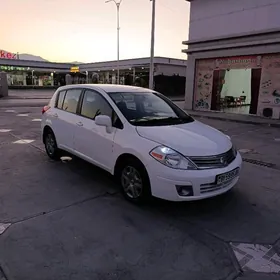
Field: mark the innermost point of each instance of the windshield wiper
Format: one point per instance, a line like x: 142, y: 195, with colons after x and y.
x: 157, y: 120
x: 161, y: 120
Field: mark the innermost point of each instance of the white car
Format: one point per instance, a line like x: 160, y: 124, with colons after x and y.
x: 150, y: 145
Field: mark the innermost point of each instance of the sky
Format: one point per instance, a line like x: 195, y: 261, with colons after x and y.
x: 86, y: 30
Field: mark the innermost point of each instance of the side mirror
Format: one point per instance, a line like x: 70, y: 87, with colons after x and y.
x: 103, y: 120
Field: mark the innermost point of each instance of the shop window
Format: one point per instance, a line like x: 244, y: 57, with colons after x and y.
x: 235, y: 90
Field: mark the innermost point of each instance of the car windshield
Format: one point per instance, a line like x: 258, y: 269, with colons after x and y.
x: 149, y: 109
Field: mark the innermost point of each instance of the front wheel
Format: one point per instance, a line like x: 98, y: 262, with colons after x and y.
x: 51, y: 146
x: 134, y: 180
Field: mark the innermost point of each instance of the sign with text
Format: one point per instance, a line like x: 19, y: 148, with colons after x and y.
x: 7, y: 55
x: 75, y: 69
x: 11, y: 68
x: 238, y: 62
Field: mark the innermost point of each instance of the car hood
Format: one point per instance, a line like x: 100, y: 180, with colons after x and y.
x: 190, y: 139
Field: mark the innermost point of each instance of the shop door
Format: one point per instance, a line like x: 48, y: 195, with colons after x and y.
x: 255, y: 89
x: 218, y: 77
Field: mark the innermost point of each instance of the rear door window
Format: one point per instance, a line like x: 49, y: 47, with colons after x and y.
x: 71, y: 100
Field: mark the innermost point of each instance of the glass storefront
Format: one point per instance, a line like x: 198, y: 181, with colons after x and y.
x: 21, y: 76
x: 245, y: 85
x: 127, y: 77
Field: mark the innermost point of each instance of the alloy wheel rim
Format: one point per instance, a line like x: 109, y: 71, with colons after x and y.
x: 131, y: 182
x: 50, y: 144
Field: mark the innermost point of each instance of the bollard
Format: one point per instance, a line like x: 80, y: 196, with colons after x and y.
x: 68, y: 79
x: 3, y: 84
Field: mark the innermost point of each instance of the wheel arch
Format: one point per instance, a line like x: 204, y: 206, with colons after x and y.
x: 125, y: 157
x: 45, y: 130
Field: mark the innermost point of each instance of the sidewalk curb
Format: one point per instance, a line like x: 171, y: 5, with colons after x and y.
x: 277, y: 125
x: 21, y: 105
x: 24, y: 98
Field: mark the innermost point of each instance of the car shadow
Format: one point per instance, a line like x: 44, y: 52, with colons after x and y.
x: 233, y: 216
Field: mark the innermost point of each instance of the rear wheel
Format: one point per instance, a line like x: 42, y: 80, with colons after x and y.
x: 50, y: 145
x: 134, y: 181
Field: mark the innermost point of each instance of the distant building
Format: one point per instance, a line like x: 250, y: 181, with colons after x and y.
x: 234, y: 57
x: 170, y: 74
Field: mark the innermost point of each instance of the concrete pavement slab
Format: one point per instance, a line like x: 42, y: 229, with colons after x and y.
x: 108, y: 238
x: 32, y: 184
x: 6, y: 103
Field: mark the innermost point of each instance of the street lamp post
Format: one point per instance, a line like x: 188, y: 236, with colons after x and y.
x: 151, y: 77
x: 118, y: 4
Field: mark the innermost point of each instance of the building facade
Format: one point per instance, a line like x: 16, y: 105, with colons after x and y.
x: 170, y: 74
x: 234, y: 57
x: 27, y: 73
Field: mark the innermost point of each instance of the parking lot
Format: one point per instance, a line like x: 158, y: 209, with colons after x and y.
x: 67, y: 220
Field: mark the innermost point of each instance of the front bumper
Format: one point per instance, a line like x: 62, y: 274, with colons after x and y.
x: 164, y: 180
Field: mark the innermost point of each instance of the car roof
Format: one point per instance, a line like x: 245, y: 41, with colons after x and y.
x: 107, y: 87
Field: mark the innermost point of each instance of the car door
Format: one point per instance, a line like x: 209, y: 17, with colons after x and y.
x: 93, y: 142
x: 65, y: 118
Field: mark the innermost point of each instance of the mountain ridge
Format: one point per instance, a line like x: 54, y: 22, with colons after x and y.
x: 31, y: 57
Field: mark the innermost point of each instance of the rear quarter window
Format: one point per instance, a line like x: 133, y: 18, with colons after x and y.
x: 60, y: 99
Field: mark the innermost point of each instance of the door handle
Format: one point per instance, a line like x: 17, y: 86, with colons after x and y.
x: 79, y: 123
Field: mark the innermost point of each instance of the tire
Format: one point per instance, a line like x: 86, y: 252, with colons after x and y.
x: 51, y: 146
x: 134, y: 181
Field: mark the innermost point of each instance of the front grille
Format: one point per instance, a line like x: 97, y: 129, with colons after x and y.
x: 218, y: 161
x: 206, y: 188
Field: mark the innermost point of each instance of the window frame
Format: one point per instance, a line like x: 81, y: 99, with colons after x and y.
x: 80, y: 104
x: 66, y: 90
x: 57, y: 99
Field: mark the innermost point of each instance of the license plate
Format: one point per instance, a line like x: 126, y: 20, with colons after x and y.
x: 226, y: 177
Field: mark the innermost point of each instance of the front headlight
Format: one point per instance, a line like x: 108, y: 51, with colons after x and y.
x: 171, y: 158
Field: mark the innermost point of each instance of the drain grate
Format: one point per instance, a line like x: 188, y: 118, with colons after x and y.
x: 260, y: 163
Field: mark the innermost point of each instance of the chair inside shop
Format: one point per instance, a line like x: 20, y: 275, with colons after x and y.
x: 229, y: 100
x: 242, y: 99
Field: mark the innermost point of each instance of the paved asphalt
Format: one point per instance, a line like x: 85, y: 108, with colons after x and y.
x: 68, y: 220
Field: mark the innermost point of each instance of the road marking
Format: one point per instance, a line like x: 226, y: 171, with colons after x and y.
x: 3, y: 227
x: 256, y: 257
x: 23, y: 141
x: 5, y: 130
x: 22, y: 115
x: 277, y: 139
x: 36, y: 120
x: 244, y: 151
x: 10, y: 111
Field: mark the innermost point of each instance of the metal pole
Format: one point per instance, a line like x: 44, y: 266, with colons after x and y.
x: 118, y: 42
x: 151, y: 77
x: 118, y: 4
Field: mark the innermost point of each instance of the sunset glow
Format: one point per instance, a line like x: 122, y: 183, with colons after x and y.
x: 60, y: 30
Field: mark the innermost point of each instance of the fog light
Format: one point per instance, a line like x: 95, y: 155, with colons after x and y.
x: 185, y: 190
